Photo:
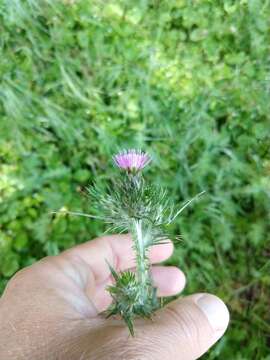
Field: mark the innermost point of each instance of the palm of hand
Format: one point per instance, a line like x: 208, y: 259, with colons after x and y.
x: 66, y: 293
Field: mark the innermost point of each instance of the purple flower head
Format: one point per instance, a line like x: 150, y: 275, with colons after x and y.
x: 132, y: 160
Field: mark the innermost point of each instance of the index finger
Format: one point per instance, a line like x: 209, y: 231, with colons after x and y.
x: 116, y: 250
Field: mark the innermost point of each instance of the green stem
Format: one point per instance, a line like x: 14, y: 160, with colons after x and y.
x: 139, y: 239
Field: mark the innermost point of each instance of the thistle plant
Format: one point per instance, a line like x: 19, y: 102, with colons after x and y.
x: 131, y: 204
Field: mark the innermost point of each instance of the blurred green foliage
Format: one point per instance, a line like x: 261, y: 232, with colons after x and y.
x: 189, y: 81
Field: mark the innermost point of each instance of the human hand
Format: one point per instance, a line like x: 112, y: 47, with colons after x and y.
x: 50, y: 310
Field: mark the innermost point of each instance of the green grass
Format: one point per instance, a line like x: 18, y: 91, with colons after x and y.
x: 189, y: 81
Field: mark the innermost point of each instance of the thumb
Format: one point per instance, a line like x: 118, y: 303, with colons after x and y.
x: 186, y: 328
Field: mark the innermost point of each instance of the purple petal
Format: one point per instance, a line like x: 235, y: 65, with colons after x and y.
x: 132, y: 159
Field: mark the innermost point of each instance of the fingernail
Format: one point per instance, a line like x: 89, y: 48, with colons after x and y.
x: 215, y: 310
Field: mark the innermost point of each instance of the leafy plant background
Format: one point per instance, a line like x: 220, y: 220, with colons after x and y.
x: 189, y: 81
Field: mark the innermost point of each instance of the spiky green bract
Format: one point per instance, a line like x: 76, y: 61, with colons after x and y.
x: 127, y: 300
x: 130, y: 197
